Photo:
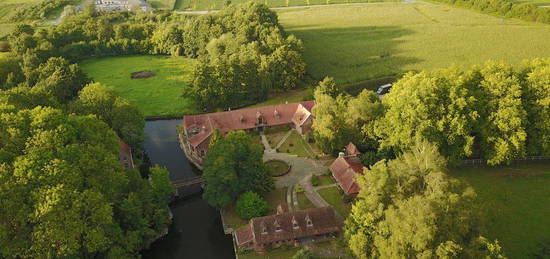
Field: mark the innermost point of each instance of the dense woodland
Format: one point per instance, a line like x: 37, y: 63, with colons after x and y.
x: 410, y: 208
x: 243, y: 52
x: 494, y: 112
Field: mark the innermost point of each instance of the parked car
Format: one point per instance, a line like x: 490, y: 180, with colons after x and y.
x: 384, y: 89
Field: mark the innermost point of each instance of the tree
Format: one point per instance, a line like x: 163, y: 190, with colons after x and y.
x: 343, y: 119
x: 161, y: 184
x: 409, y: 208
x: 502, y: 129
x: 234, y: 165
x: 329, y: 87
x: 60, y: 79
x: 329, y: 126
x: 250, y: 205
x: 437, y: 106
x: 536, y: 99
x: 65, y: 193
x: 123, y: 117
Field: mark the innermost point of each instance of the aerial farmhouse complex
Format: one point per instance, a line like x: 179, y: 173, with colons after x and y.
x: 197, y: 129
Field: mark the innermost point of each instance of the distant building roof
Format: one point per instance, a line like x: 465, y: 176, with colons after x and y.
x: 290, y: 225
x: 344, y: 170
x: 351, y: 150
x: 125, y: 154
x: 201, y: 126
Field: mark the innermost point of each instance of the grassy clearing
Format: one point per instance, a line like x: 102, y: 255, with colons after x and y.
x: 276, y: 167
x: 359, y: 42
x: 516, y: 201
x: 160, y: 95
x: 335, y: 198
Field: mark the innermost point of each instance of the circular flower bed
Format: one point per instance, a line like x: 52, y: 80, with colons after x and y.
x: 277, y: 167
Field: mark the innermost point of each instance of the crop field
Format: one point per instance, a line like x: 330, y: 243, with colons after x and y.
x: 158, y: 95
x: 516, y: 202
x: 201, y: 5
x: 358, y: 42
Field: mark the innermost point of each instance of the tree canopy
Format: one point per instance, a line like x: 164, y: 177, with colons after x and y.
x: 492, y: 112
x: 409, y: 208
x: 234, y: 165
x: 65, y: 193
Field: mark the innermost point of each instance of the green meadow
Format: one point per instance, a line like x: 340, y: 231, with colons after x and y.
x: 516, y: 202
x: 159, y: 95
x: 358, y: 42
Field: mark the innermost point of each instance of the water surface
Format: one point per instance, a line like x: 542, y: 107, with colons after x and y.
x: 196, y: 231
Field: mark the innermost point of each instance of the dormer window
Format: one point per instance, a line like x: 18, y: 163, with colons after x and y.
x: 276, y: 114
x: 309, y: 223
x: 277, y: 226
x: 263, y: 228
x: 295, y: 223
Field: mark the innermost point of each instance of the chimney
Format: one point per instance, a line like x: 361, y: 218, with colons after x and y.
x: 280, y: 209
x: 341, y: 154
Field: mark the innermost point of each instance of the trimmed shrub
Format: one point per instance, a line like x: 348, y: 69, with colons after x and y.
x: 315, y: 180
x: 250, y: 205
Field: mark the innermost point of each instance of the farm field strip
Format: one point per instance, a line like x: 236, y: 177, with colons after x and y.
x: 354, y: 43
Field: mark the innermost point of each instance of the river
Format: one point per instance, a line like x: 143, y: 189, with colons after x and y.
x: 196, y: 231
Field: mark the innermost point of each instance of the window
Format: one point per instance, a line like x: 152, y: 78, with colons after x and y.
x: 278, y: 229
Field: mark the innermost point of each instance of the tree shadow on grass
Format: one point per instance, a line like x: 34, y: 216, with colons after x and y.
x: 354, y: 54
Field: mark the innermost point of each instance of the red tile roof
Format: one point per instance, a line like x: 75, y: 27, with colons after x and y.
x: 200, y: 126
x: 351, y: 150
x: 264, y: 229
x: 125, y: 154
x: 244, y: 235
x: 344, y: 170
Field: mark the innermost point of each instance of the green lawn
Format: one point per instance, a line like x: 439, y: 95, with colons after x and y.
x: 335, y: 198
x: 160, y: 95
x: 296, y: 145
x: 275, y: 198
x: 232, y: 219
x: 516, y: 201
x: 354, y: 43
x: 279, y: 253
x: 303, y: 201
x: 326, y: 180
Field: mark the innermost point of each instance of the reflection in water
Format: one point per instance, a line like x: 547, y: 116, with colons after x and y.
x: 196, y: 231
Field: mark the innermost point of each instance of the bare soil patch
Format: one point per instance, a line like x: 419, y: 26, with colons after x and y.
x: 142, y: 74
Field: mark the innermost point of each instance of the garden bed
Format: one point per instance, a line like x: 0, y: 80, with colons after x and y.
x: 277, y: 167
